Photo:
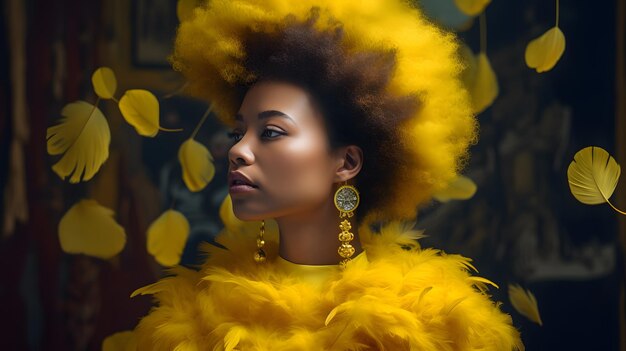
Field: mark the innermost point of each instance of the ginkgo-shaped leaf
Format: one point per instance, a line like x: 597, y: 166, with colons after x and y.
x: 234, y: 224
x: 184, y: 9
x: 525, y: 303
x: 544, y: 52
x: 122, y: 341
x: 228, y: 218
x: 472, y: 7
x: 197, y: 164
x: 460, y: 188
x: 89, y: 228
x: 481, y: 82
x: 83, y: 136
x: 104, y: 82
x: 140, y: 109
x: 167, y: 237
x: 593, y: 176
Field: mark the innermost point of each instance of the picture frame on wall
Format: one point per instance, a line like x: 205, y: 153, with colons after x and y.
x: 153, y: 25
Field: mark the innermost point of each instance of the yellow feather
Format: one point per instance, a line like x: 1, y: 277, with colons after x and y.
x: 483, y: 281
x: 88, y: 228
x: 83, y: 136
x: 448, y: 308
x: 167, y: 237
x: 525, y: 303
x: 231, y: 339
x: 389, y: 299
x: 197, y: 164
x: 423, y: 293
x: 544, y: 52
x: 104, y: 82
x: 593, y: 176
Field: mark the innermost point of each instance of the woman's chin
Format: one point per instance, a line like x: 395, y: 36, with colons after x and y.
x: 245, y: 215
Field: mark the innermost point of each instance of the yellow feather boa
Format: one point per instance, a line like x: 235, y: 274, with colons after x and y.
x: 395, y: 296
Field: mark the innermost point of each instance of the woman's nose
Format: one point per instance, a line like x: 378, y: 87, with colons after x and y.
x: 240, y: 154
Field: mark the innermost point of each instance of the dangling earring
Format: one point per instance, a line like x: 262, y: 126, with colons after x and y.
x: 259, y: 255
x: 346, y: 200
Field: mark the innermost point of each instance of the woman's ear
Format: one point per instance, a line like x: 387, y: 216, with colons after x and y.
x: 350, y: 161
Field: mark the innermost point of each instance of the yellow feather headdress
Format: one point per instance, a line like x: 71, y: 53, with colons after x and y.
x: 208, y: 52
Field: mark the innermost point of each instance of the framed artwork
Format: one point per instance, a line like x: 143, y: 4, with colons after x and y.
x: 153, y: 26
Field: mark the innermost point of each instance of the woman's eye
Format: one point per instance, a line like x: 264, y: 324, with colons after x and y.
x: 235, y: 136
x: 271, y: 134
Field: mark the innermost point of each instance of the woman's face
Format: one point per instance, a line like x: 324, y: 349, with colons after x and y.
x: 281, y: 163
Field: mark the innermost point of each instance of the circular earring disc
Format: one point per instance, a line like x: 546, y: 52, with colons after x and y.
x: 347, y: 198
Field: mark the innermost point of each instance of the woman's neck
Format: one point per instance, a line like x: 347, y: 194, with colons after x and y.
x: 313, y: 238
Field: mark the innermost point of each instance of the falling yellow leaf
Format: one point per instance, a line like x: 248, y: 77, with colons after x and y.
x: 122, y: 341
x: 525, y: 303
x: 481, y: 81
x: 472, y: 7
x: 235, y: 225
x: 184, y: 9
x: 593, y: 176
x: 460, y: 188
x: 469, y: 59
x: 544, y: 52
x: 104, y: 82
x: 167, y: 237
x: 89, y: 228
x: 228, y: 218
x: 140, y: 108
x: 197, y: 164
x: 83, y: 136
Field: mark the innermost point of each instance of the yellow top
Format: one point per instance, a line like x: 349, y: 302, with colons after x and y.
x: 393, y: 296
x: 314, y: 274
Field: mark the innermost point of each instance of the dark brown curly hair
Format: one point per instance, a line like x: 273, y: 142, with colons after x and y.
x: 348, y: 89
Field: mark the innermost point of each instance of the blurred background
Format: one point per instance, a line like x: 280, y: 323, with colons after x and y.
x: 522, y: 226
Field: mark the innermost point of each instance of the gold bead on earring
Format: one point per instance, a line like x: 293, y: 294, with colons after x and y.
x: 346, y: 200
x: 259, y: 255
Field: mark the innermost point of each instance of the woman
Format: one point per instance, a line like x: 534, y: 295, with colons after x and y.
x: 346, y: 117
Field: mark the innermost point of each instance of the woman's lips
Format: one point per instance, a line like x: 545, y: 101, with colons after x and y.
x: 240, y: 183
x: 241, y: 189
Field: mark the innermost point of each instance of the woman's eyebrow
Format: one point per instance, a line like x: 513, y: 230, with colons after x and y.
x: 266, y: 114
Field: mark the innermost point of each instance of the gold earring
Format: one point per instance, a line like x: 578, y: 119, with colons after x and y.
x: 346, y: 200
x: 259, y: 255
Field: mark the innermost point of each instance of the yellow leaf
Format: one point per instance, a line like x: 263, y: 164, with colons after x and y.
x: 235, y: 225
x: 167, y: 237
x: 89, y: 228
x: 472, y: 7
x: 483, y: 87
x: 104, y: 82
x: 228, y: 218
x: 593, y: 175
x: 525, y: 303
x: 140, y: 108
x: 122, y: 341
x: 544, y: 52
x: 184, y: 9
x: 460, y: 188
x: 197, y: 164
x: 83, y: 136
